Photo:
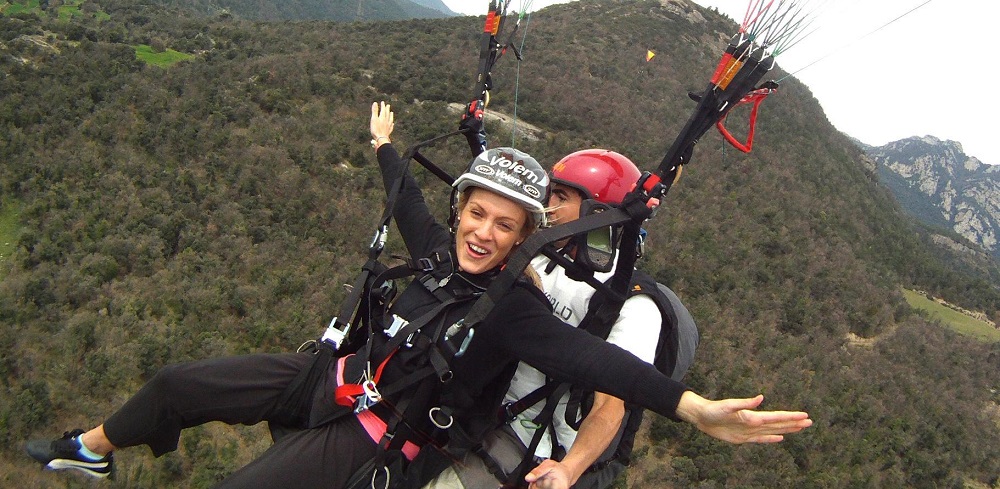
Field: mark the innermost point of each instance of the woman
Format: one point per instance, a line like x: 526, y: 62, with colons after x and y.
x: 501, y: 202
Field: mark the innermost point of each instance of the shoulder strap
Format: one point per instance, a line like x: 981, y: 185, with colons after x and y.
x: 665, y: 359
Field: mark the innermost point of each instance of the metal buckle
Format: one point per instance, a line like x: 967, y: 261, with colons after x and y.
x: 443, y: 426
x: 371, y: 390
x: 387, y: 476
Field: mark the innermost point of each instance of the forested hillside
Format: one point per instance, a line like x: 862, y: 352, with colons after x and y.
x: 216, y: 206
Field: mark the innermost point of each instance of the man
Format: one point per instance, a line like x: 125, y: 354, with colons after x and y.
x: 605, y: 177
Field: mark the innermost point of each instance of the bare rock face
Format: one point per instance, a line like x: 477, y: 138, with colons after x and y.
x: 938, y: 183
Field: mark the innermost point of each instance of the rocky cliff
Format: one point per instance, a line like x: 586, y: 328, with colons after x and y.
x: 942, y: 186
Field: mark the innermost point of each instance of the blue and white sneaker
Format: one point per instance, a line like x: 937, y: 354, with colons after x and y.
x: 64, y: 453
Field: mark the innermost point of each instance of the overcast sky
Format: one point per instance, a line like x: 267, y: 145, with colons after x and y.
x: 923, y: 74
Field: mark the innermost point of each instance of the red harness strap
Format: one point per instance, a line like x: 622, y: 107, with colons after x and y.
x: 346, y: 394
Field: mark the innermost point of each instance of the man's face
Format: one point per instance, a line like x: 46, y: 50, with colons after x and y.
x: 564, y: 206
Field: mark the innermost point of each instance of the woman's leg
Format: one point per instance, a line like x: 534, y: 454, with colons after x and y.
x: 240, y: 389
x: 325, y: 456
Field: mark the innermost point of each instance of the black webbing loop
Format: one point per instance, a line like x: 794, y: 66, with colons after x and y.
x: 511, y: 410
x: 436, y: 170
x: 543, y: 419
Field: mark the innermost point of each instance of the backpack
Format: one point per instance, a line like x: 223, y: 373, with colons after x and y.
x: 675, y: 349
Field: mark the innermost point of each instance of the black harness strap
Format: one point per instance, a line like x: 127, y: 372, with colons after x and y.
x: 543, y: 419
x: 597, y: 322
x: 520, y: 259
x: 511, y: 410
x: 349, y: 307
x: 436, y: 170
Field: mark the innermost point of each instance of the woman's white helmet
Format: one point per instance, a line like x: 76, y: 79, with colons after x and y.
x: 511, y: 173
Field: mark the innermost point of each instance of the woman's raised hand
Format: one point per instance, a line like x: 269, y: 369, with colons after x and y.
x: 381, y: 124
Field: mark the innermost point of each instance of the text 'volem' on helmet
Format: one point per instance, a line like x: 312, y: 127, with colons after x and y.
x: 511, y: 173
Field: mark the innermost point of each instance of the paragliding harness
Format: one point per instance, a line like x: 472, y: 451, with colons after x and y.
x: 741, y: 67
x: 361, y: 344
x: 675, y: 348
x: 423, y: 349
x: 351, y: 336
x: 426, y: 346
x: 363, y: 347
x: 674, y: 353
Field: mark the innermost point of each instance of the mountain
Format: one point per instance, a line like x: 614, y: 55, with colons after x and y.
x: 189, y: 186
x: 938, y: 183
x: 335, y: 10
x: 437, y: 5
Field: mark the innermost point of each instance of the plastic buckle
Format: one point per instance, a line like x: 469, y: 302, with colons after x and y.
x: 426, y: 264
x: 398, y: 323
x: 333, y: 336
x: 378, y: 241
x: 429, y: 282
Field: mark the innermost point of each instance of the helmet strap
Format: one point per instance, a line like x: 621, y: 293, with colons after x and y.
x: 597, y: 248
x: 453, y: 217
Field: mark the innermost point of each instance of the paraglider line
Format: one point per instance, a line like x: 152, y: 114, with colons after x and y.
x: 883, y: 26
x: 517, y: 80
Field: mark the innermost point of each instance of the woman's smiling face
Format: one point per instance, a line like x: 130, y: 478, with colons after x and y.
x: 489, y: 227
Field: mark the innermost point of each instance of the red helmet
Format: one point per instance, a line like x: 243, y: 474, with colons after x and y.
x: 599, y: 174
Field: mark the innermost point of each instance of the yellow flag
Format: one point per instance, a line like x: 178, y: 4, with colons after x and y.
x: 649, y: 55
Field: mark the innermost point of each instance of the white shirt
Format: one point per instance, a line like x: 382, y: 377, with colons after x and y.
x: 637, y: 330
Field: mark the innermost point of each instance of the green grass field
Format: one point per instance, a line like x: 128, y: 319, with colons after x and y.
x: 955, y: 320
x: 68, y: 9
x: 18, y: 7
x: 146, y: 54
